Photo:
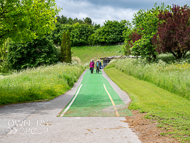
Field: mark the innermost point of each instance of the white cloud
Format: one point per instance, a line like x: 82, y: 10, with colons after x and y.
x: 98, y: 14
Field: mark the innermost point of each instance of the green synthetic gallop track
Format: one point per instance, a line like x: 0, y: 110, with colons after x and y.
x: 93, y: 100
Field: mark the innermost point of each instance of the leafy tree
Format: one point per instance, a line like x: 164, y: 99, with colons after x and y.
x: 66, y: 47
x: 96, y: 26
x: 25, y: 20
x: 131, y: 35
x: 4, y: 66
x: 87, y: 20
x: 63, y: 20
x: 174, y: 31
x: 80, y: 33
x: 144, y: 48
x: 40, y: 51
x: 70, y: 21
x: 58, y: 19
x: 146, y: 23
x: 75, y: 20
x: 92, y: 40
x: 110, y: 33
x: 56, y: 34
x: 63, y: 47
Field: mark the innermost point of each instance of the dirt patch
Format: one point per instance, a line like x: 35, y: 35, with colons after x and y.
x: 147, y: 130
x: 111, y: 108
x: 1, y: 106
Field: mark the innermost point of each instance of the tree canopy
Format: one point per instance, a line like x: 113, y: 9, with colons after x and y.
x: 25, y: 20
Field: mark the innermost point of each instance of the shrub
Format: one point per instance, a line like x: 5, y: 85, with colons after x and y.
x: 32, y: 54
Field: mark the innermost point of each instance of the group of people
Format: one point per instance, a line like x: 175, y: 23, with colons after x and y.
x: 98, y: 66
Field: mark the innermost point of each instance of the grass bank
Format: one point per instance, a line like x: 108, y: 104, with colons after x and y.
x: 86, y: 53
x: 42, y: 83
x: 171, y: 111
x: 174, y: 77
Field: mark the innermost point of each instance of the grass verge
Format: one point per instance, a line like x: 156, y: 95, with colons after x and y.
x: 42, y: 83
x: 174, y: 77
x: 171, y: 111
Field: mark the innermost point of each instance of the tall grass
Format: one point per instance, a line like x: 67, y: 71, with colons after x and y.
x: 42, y: 83
x: 174, y: 77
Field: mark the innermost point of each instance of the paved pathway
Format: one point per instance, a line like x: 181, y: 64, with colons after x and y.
x: 94, y: 115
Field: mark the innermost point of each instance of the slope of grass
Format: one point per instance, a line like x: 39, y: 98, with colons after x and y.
x: 170, y: 110
x: 174, y: 77
x: 38, y: 83
x: 86, y: 53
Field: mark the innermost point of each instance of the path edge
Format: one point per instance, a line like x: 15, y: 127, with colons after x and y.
x: 68, y: 96
x: 122, y: 94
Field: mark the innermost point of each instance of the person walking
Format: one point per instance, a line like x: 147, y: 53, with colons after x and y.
x: 97, y: 66
x: 92, y: 66
x: 100, y: 64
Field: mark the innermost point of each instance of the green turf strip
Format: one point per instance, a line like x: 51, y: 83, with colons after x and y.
x: 93, y: 100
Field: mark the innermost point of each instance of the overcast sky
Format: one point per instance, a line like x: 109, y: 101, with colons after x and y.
x: 101, y: 10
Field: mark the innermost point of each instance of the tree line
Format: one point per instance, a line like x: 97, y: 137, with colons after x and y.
x: 64, y: 20
x: 85, y: 32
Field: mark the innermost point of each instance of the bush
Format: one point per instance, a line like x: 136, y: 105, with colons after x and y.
x: 32, y: 54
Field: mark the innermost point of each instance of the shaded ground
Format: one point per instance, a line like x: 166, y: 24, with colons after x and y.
x: 146, y: 129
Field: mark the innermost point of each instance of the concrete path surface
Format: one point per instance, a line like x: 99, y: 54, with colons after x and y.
x: 37, y: 122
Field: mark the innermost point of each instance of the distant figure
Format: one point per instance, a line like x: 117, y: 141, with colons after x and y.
x: 92, y: 66
x: 100, y: 65
x: 97, y: 66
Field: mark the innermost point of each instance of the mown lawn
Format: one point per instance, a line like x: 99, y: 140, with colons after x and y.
x: 171, y: 111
